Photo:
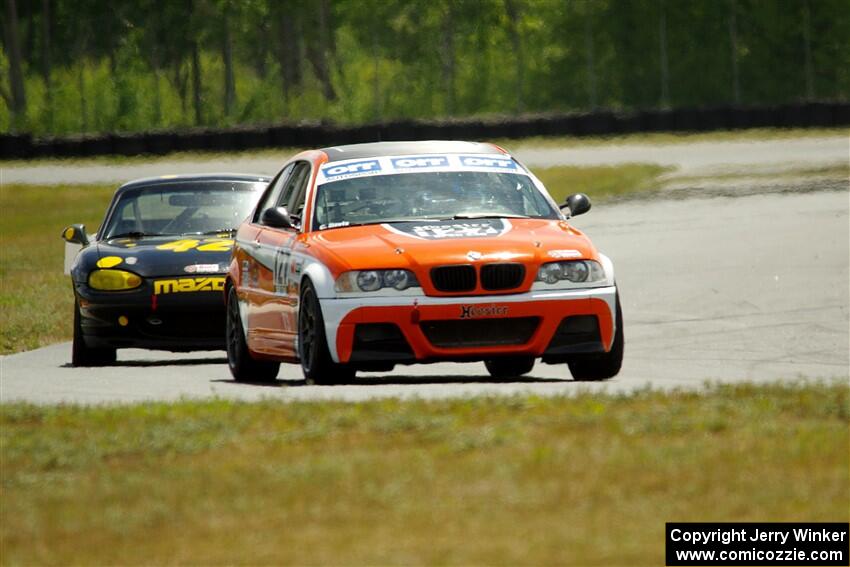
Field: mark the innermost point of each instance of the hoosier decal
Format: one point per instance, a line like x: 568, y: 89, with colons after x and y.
x: 183, y: 285
x: 475, y: 311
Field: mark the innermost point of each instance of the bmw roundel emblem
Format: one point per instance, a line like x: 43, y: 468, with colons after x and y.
x: 473, y: 255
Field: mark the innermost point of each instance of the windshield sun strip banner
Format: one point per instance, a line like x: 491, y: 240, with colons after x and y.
x: 393, y: 165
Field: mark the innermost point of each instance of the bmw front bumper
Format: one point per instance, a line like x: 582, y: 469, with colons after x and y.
x: 552, y: 325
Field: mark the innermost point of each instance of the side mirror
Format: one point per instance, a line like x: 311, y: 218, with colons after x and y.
x: 76, y: 234
x: 578, y: 204
x: 276, y: 217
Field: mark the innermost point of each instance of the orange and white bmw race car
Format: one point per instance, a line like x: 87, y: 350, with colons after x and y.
x: 366, y: 256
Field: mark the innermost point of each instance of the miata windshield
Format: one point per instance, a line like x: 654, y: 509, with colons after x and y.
x: 182, y: 208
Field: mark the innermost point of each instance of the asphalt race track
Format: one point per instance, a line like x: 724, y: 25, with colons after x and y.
x: 752, y: 288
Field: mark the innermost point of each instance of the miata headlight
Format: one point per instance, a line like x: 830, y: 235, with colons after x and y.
x: 576, y: 271
x: 374, y: 280
x: 114, y: 280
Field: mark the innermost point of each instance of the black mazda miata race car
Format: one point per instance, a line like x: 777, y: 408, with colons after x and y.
x: 153, y: 275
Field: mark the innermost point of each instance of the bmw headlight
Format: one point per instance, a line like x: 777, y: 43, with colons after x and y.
x: 575, y: 271
x: 374, y: 280
x: 550, y: 273
x: 114, y: 280
x: 369, y: 280
x: 399, y: 279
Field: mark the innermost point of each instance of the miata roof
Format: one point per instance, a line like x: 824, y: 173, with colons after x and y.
x: 168, y: 179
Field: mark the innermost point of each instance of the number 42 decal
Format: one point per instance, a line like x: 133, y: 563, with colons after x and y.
x: 208, y: 245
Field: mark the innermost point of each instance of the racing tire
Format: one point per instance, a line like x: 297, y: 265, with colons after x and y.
x: 244, y: 367
x: 509, y: 367
x: 316, y: 362
x: 592, y: 368
x: 84, y: 355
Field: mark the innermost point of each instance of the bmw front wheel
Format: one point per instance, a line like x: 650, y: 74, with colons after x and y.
x: 601, y: 366
x: 243, y: 366
x: 509, y: 366
x: 316, y: 362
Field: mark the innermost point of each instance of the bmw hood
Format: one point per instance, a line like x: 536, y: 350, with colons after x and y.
x: 429, y: 243
x: 166, y: 255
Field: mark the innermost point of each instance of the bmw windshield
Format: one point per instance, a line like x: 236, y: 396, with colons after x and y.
x: 197, y: 207
x: 431, y: 195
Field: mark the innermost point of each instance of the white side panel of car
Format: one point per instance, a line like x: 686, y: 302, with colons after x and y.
x: 323, y: 281
x: 71, y: 251
x: 243, y: 316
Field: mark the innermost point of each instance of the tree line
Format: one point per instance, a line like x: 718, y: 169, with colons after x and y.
x: 127, y: 65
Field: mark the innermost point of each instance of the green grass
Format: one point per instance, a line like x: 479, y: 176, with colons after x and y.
x: 35, y: 297
x: 589, y: 480
x: 600, y: 182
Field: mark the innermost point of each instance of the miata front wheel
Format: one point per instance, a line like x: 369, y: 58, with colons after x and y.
x: 84, y: 355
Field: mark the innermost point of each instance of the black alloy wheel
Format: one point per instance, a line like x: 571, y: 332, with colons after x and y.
x: 243, y: 366
x: 316, y: 362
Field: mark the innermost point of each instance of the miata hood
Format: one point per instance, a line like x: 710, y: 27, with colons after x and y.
x: 166, y: 255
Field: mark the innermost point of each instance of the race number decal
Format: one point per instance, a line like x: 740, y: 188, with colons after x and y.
x: 281, y: 269
x: 223, y: 245
x: 179, y: 245
x: 207, y: 245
